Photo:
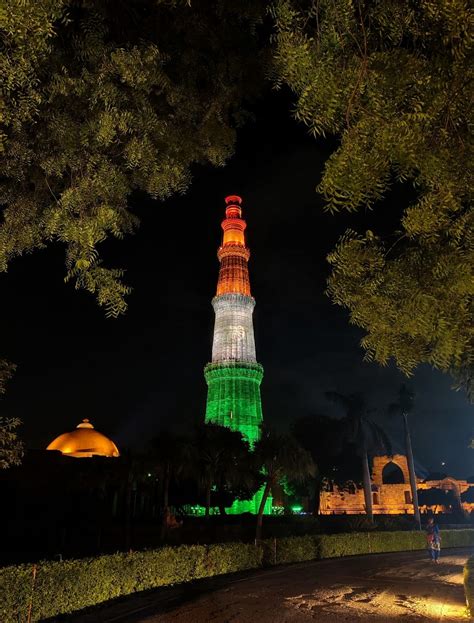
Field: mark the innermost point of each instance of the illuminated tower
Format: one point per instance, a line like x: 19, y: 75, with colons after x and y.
x: 234, y: 376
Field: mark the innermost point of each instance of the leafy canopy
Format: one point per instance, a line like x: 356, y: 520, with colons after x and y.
x: 11, y: 447
x: 280, y: 456
x: 393, y: 79
x: 102, y: 98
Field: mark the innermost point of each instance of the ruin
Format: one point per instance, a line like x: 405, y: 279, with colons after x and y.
x: 391, y: 492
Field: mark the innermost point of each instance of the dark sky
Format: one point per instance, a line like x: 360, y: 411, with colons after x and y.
x: 143, y: 372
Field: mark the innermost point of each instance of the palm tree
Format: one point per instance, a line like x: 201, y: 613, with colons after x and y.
x: 319, y: 434
x: 404, y: 406
x: 279, y: 456
x: 166, y: 459
x: 368, y: 437
x: 221, y: 457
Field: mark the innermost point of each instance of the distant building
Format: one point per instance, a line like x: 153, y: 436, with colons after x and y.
x: 391, y: 492
x: 84, y: 442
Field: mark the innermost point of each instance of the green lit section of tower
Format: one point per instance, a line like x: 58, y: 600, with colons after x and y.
x: 234, y: 376
x: 233, y: 398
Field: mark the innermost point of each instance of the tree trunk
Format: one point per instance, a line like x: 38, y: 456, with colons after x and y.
x: 166, y: 488
x: 367, y: 483
x: 317, y: 496
x: 128, y: 510
x: 411, y: 470
x: 266, y: 492
x: 208, y: 499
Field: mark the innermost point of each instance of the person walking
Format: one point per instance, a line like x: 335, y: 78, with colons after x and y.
x: 433, y: 539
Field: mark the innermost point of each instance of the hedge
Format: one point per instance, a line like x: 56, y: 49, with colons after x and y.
x: 53, y: 588
x: 469, y: 585
x: 64, y: 587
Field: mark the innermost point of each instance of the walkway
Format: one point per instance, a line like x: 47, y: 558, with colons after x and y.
x: 384, y: 588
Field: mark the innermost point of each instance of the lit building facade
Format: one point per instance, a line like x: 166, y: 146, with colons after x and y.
x: 234, y: 375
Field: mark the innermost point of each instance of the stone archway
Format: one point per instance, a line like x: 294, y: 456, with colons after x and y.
x: 392, y: 474
x: 450, y: 484
x: 397, y: 460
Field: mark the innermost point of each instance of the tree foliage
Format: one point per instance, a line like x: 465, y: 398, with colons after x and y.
x: 280, y: 457
x: 437, y: 497
x: 357, y: 427
x: 11, y: 447
x: 393, y: 79
x: 224, y: 465
x: 368, y: 437
x: 103, y: 98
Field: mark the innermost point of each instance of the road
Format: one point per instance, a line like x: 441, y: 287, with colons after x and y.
x: 384, y: 588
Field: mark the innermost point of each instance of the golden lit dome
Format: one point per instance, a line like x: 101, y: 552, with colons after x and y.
x: 84, y: 441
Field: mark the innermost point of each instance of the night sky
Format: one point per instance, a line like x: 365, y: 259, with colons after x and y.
x: 144, y: 372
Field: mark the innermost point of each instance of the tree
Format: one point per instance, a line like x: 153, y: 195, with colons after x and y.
x: 394, y: 82
x: 222, y: 461
x: 11, y: 447
x: 167, y: 458
x: 403, y: 407
x: 435, y: 497
x: 468, y: 496
x: 368, y: 436
x: 279, y: 456
x: 330, y: 451
x: 105, y: 98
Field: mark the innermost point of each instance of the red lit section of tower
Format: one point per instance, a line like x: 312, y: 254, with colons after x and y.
x: 233, y: 254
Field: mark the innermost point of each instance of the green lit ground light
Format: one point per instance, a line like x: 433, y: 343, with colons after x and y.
x: 234, y: 401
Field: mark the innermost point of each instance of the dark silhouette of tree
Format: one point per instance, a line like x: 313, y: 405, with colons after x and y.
x: 403, y: 407
x: 167, y: 458
x: 468, y: 496
x: 368, y: 436
x: 435, y: 497
x: 280, y: 456
x: 222, y: 461
x: 332, y: 453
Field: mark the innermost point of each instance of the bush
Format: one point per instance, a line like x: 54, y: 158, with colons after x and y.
x: 296, y: 549
x: 65, y: 587
x: 335, y: 524
x: 469, y: 585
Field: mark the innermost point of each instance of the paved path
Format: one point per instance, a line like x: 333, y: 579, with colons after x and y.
x: 384, y: 588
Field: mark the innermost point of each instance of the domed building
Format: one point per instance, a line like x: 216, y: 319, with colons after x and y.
x: 84, y: 442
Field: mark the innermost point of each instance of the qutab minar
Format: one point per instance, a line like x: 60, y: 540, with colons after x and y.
x: 234, y: 375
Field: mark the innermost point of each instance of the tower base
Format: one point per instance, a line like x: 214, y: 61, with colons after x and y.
x: 250, y: 506
x: 233, y: 401
x: 233, y: 398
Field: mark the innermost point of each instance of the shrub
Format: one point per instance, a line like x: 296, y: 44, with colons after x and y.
x: 64, y: 587
x: 469, y: 585
x: 297, y: 549
x: 292, y: 549
x: 457, y: 538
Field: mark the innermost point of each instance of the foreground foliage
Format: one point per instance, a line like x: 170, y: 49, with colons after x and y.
x: 104, y: 98
x: 394, y: 81
x: 11, y: 447
x: 54, y: 588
